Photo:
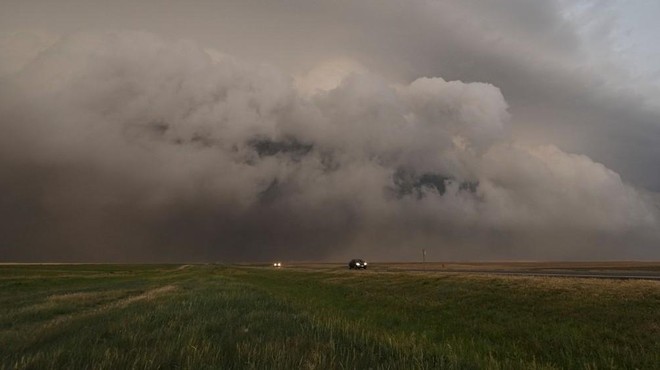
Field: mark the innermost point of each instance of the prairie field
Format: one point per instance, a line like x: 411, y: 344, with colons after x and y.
x: 319, y: 317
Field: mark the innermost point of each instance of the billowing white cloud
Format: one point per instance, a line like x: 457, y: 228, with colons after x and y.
x: 125, y: 144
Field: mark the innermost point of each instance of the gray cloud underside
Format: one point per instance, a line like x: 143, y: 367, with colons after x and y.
x: 123, y: 146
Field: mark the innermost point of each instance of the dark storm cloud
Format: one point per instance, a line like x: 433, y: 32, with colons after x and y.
x: 531, y: 50
x: 128, y: 146
x: 123, y: 146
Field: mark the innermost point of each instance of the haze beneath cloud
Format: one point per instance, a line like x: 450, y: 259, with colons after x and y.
x: 252, y: 131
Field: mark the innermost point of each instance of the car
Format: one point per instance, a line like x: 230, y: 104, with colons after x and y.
x: 277, y: 264
x: 357, y: 264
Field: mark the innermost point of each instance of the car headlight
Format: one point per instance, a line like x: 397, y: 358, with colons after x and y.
x: 365, y: 263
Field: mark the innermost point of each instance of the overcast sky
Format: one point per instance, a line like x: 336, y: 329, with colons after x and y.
x: 322, y: 130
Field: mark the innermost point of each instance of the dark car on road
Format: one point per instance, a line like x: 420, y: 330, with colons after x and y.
x: 357, y: 264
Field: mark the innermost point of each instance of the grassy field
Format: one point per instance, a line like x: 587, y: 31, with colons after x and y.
x: 212, y: 316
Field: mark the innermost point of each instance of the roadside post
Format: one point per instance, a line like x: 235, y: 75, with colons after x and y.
x: 424, y: 258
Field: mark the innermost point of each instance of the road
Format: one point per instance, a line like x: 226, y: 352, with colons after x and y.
x: 620, y: 275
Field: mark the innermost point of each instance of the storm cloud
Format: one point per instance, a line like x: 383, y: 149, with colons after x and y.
x: 122, y: 146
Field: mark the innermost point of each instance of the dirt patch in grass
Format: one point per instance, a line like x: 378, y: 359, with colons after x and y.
x: 148, y: 295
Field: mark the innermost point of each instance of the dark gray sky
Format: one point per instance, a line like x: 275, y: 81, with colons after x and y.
x: 309, y: 130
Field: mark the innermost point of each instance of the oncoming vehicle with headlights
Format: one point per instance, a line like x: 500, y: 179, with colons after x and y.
x: 357, y: 264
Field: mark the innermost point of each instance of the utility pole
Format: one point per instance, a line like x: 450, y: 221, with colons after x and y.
x: 423, y: 255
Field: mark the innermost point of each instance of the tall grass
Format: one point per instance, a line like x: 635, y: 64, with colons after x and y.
x: 219, y: 317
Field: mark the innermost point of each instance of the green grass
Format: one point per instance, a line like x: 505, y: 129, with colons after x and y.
x: 224, y: 317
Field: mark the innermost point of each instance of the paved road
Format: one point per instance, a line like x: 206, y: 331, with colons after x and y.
x: 620, y: 275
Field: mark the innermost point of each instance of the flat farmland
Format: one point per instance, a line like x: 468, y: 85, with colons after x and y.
x: 598, y: 270
x: 323, y: 316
